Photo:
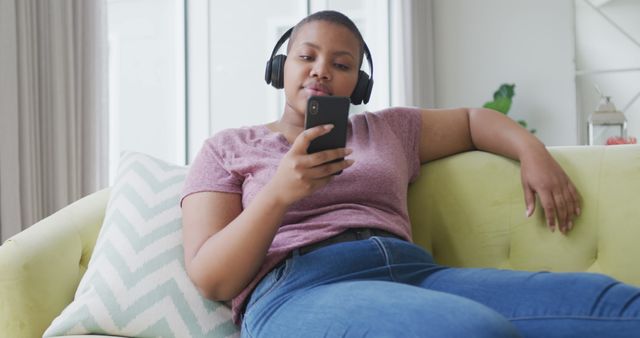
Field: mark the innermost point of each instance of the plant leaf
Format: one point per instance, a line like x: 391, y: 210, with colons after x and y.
x: 502, y: 98
x: 523, y: 123
x: 501, y: 104
x: 505, y: 90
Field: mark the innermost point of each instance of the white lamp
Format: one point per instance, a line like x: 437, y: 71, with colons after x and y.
x: 606, y: 122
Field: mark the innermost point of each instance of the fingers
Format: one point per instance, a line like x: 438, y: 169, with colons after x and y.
x: 567, y: 206
x: 328, y: 169
x: 560, y: 208
x: 559, y: 198
x: 573, y: 207
x: 321, y: 157
x: 575, y: 197
x: 561, y: 211
x: 301, y: 143
x: 548, y: 205
x: 529, y: 200
x: 320, y: 166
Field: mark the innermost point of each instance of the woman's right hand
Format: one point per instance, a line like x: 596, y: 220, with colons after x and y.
x: 300, y: 174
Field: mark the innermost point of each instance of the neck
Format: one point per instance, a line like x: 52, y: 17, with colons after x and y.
x: 291, y: 124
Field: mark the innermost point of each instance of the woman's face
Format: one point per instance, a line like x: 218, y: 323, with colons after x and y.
x: 323, y: 59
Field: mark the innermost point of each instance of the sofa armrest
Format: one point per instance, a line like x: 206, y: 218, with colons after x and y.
x: 40, y: 268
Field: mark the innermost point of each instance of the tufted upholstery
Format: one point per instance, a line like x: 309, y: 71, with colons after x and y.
x: 467, y: 209
x: 41, y: 267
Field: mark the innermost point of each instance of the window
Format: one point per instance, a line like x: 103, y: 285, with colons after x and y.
x: 240, y: 38
x: 174, y: 83
x: 146, y: 79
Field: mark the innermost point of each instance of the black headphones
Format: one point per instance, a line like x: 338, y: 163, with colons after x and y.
x: 274, y: 73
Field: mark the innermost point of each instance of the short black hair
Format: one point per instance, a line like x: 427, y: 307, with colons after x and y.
x: 334, y: 17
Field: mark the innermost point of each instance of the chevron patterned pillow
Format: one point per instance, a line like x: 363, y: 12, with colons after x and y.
x: 136, y: 284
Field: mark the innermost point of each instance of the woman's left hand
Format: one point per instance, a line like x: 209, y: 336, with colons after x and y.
x: 542, y: 175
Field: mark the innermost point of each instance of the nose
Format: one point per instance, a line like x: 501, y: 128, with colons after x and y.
x: 321, y: 70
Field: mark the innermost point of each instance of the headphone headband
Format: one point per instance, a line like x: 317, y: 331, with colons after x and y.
x: 282, y: 39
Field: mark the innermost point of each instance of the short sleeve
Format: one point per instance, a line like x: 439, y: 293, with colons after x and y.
x: 209, y: 171
x: 406, y: 124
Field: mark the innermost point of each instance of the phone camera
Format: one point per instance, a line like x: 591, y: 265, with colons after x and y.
x: 314, y: 107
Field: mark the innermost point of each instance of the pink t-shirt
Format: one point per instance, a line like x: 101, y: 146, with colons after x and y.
x: 371, y: 193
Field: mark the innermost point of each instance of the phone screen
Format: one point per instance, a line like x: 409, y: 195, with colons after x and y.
x: 328, y: 110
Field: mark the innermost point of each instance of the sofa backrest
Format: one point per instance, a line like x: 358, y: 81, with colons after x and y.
x: 469, y: 210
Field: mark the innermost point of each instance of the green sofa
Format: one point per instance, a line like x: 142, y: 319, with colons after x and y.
x: 467, y: 209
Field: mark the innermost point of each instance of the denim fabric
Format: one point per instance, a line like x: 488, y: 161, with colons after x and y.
x: 386, y: 287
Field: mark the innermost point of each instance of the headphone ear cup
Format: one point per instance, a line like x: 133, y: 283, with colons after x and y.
x: 367, y: 94
x: 276, y: 69
x: 267, y: 72
x: 362, y: 90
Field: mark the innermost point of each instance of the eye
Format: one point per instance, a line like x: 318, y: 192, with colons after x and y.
x: 341, y: 66
x: 306, y: 57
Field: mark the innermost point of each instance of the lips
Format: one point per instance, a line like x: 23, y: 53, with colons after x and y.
x: 317, y: 89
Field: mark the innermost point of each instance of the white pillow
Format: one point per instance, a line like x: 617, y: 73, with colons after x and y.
x: 136, y: 283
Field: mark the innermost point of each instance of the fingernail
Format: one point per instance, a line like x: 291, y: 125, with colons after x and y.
x: 350, y: 162
x: 570, y: 225
x: 348, y: 151
x: 328, y: 127
x: 578, y: 211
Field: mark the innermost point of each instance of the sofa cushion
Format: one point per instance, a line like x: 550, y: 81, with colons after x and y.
x: 136, y: 283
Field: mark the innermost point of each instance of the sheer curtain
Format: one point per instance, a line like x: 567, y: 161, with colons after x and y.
x: 412, y: 65
x: 53, y: 104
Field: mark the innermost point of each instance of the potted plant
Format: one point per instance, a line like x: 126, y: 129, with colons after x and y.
x: 502, y: 102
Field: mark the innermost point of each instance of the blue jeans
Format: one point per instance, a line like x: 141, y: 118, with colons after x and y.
x: 385, y: 287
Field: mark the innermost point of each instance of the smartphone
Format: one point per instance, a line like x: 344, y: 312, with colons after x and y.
x: 328, y: 110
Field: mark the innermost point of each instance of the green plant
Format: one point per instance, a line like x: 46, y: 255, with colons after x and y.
x: 502, y: 99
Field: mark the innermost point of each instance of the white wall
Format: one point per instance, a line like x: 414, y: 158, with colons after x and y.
x: 482, y: 44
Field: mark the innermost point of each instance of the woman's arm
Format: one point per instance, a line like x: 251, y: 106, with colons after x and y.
x: 450, y: 131
x: 224, y: 246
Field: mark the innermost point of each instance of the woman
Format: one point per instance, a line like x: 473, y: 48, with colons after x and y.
x: 305, y: 253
